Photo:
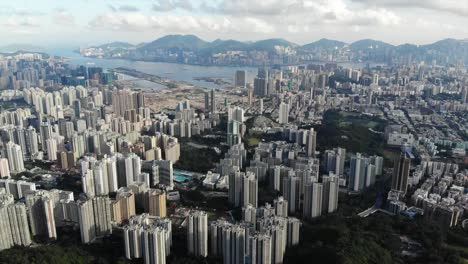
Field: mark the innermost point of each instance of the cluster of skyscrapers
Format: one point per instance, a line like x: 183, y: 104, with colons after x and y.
x: 282, y: 167
x: 148, y: 237
x: 363, y: 171
x: 39, y: 212
x: 235, y: 127
x: 210, y: 102
x: 123, y: 155
x: 96, y: 134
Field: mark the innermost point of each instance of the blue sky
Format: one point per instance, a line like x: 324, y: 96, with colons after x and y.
x: 87, y: 22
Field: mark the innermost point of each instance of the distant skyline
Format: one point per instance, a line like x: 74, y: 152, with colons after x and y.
x: 90, y: 22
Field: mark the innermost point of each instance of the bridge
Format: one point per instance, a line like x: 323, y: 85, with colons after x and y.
x: 373, y: 210
x: 368, y: 211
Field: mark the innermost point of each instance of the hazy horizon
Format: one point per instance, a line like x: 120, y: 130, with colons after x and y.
x: 67, y: 46
x: 86, y: 22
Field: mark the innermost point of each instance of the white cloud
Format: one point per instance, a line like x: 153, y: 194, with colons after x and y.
x: 128, y: 8
x: 458, y: 7
x: 262, y: 7
x: 22, y: 22
x: 300, y: 21
x: 170, y: 5
x: 124, y: 8
x: 172, y: 23
x: 63, y: 17
x: 133, y: 21
x: 258, y: 25
x: 7, y: 10
x: 267, y: 17
x: 338, y: 12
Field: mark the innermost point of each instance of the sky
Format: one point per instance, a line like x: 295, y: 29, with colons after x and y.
x: 90, y: 22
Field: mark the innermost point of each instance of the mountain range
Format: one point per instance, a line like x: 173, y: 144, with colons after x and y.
x: 194, y: 43
x: 12, y: 48
x: 194, y: 50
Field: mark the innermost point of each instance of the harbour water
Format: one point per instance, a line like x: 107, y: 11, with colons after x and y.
x: 174, y: 71
x: 177, y: 72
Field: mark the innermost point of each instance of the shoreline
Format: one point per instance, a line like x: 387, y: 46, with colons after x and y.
x: 168, y: 83
x: 229, y: 65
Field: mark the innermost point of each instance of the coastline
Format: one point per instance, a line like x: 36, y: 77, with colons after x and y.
x: 228, y: 65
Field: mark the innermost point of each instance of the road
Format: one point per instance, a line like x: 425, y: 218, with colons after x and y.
x: 380, y: 197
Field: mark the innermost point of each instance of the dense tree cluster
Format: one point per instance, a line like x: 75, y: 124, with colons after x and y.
x: 375, y: 239
x: 68, y: 250
x: 350, y: 133
x: 196, y: 159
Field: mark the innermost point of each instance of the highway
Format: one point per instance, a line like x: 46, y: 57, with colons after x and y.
x: 380, y: 197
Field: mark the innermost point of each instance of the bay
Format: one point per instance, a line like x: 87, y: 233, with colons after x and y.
x: 173, y: 71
